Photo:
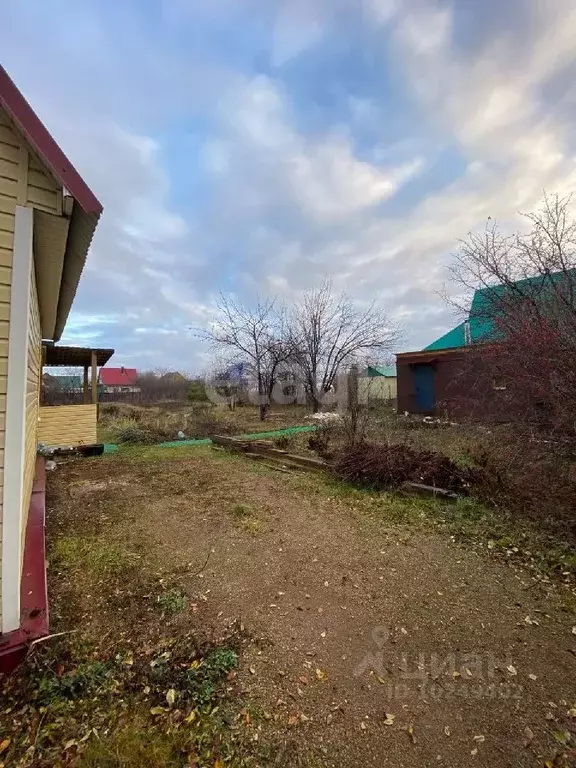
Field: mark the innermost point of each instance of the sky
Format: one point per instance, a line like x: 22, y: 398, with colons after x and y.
x: 258, y: 146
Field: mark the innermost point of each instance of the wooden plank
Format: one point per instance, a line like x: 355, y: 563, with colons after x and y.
x: 233, y: 442
x: 94, y: 378
x: 41, y: 180
x: 7, y: 136
x: 42, y: 198
x: 6, y: 265
x: 9, y: 188
x: 9, y: 152
x: 23, y: 176
x: 8, y: 206
x: 7, y: 222
x: 6, y: 240
x: 9, y: 169
x: 67, y: 425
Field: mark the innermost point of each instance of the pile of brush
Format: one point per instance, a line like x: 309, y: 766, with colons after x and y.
x: 380, y: 466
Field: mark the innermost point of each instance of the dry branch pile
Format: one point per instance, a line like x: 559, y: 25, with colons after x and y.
x: 380, y: 466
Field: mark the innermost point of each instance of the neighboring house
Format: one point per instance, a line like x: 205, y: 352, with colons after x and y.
x: 47, y: 219
x: 430, y: 380
x: 119, y: 380
x: 377, y: 382
x: 68, y: 384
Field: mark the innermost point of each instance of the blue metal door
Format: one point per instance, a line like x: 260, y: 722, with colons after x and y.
x: 424, y: 387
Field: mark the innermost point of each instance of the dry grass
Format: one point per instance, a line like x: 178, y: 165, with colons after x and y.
x: 124, y: 423
x: 261, y: 639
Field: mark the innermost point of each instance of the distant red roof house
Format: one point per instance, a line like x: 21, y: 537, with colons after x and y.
x: 119, y: 379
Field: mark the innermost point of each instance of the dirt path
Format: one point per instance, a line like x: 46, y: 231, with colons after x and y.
x: 375, y: 643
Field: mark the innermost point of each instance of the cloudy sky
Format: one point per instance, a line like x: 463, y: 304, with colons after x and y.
x: 256, y: 146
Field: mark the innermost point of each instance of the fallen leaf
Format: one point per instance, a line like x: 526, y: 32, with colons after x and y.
x: 157, y: 711
x: 219, y: 763
x: 4, y: 744
x: 389, y: 720
x: 381, y: 680
x: 480, y: 739
x: 303, y: 679
x: 252, y: 670
x: 171, y: 697
x: 320, y: 674
x: 410, y: 732
x: 191, y: 717
x: 511, y: 669
x: 562, y: 737
x: 571, y: 712
x: 292, y: 720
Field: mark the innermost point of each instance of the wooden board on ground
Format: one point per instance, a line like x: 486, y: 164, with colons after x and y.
x: 265, y: 449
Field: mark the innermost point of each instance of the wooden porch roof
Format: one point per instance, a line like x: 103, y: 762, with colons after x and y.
x: 75, y: 356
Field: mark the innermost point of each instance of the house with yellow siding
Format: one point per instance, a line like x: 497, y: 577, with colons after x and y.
x: 47, y: 219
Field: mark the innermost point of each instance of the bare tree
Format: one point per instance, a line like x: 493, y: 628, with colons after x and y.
x: 330, y: 332
x: 526, y: 318
x: 161, y: 384
x: 255, y: 336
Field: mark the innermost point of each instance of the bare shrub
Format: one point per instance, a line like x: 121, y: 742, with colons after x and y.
x: 533, y: 479
x: 381, y: 466
x: 322, y: 439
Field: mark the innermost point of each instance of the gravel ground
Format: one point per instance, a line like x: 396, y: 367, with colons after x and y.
x: 375, y: 643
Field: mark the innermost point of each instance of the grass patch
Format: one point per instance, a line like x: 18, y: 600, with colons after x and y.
x: 92, y: 554
x: 246, y: 517
x: 172, y: 601
x: 240, y: 511
x: 165, y: 703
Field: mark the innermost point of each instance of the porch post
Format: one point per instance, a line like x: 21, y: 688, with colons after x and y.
x: 85, y: 395
x: 94, y: 378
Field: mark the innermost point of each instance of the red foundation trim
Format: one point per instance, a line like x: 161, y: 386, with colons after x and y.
x: 33, y: 589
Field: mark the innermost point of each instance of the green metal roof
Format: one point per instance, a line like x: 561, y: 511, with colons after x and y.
x: 454, y: 338
x: 67, y: 382
x: 381, y: 370
x: 483, y: 309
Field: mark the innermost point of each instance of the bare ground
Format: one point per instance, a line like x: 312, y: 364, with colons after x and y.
x: 375, y: 642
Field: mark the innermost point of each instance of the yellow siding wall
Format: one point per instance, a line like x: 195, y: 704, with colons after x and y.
x: 23, y: 181
x: 9, y: 171
x: 67, y: 425
x: 377, y: 388
x: 33, y: 378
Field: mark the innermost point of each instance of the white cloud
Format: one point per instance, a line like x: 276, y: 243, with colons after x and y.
x: 323, y: 176
x: 281, y: 202
x: 299, y: 25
